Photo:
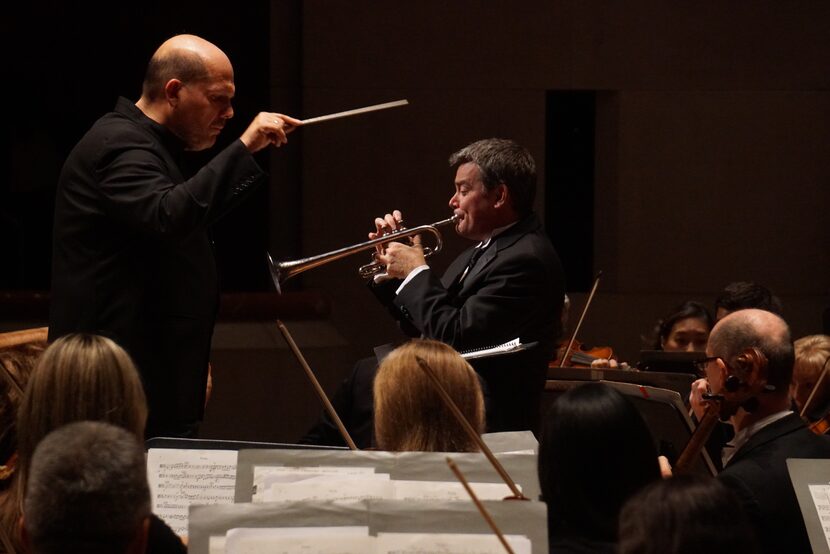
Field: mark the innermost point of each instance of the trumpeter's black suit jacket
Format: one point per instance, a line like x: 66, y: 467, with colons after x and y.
x: 516, y: 289
x: 132, y: 258
x: 758, y: 474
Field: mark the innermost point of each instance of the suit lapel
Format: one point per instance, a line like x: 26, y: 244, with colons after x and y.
x: 783, y: 426
x: 502, y: 242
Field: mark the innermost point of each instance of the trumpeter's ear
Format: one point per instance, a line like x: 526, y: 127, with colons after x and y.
x: 502, y: 194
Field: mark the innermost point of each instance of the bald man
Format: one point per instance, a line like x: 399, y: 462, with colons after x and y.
x: 131, y: 255
x: 767, y: 432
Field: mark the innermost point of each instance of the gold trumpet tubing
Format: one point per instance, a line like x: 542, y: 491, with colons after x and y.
x: 282, y: 271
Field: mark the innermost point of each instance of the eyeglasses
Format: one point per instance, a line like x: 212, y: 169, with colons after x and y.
x: 700, y: 365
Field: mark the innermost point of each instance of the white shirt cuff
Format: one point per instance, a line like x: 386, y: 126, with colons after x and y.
x: 411, y: 276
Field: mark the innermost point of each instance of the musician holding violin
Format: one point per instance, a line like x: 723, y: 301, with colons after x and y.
x: 811, y: 386
x: 748, y: 370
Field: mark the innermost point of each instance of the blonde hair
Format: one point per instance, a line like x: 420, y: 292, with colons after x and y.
x: 409, y: 413
x: 811, y: 354
x: 79, y: 377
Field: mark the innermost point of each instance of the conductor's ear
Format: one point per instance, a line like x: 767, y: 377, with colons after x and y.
x: 172, y: 90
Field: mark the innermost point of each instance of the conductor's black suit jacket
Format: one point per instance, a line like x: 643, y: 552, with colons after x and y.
x: 516, y: 289
x: 758, y: 474
x: 132, y: 259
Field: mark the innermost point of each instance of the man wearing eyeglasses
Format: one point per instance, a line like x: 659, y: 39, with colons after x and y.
x: 749, y: 365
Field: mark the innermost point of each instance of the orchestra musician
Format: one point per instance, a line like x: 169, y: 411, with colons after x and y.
x: 754, y: 346
x: 513, y: 287
x: 132, y: 258
x: 811, y: 383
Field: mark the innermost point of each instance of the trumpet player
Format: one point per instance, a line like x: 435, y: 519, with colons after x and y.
x: 508, y: 284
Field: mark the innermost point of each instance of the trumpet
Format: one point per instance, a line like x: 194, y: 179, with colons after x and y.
x: 282, y: 271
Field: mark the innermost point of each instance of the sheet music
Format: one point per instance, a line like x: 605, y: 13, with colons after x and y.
x: 299, y: 540
x: 356, y: 540
x: 329, y: 489
x: 821, y: 499
x: 267, y: 476
x: 448, y: 543
x: 447, y: 490
x: 181, y: 477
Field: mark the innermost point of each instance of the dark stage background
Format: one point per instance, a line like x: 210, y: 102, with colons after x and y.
x: 680, y: 147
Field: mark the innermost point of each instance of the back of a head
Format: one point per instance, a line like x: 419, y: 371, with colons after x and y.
x: 181, y: 57
x: 741, y: 295
x: 503, y: 161
x: 685, y: 515
x: 80, y: 377
x: 87, y: 491
x: 760, y: 329
x: 409, y: 413
x: 595, y: 452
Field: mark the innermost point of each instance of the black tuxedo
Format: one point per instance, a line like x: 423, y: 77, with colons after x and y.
x: 132, y: 259
x: 757, y: 473
x: 516, y: 289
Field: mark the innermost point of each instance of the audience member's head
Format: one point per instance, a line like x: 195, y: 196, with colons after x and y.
x: 87, y: 492
x: 409, y: 413
x: 595, y: 452
x: 811, y: 356
x: 742, y: 295
x: 79, y: 377
x: 739, y: 334
x: 685, y: 329
x: 16, y: 364
x: 685, y: 515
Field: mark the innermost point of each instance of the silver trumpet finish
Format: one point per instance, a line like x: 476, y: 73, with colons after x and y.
x: 282, y: 271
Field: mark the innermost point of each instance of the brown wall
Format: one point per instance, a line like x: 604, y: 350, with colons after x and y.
x: 711, y: 153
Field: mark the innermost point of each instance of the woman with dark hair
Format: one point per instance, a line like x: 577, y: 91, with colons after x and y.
x: 685, y: 515
x: 685, y: 329
x: 595, y: 452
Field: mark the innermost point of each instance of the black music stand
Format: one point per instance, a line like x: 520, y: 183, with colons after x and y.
x: 670, y: 362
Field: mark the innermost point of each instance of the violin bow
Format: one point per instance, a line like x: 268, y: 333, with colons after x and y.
x: 816, y: 387
x: 581, y: 318
x: 481, y: 509
x: 453, y: 407
x: 320, y: 392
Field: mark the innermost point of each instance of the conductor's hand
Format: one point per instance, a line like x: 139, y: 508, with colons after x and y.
x: 699, y: 388
x: 268, y: 128
x: 400, y: 259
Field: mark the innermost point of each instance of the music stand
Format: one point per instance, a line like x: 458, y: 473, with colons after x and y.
x: 681, y: 383
x: 670, y: 362
x: 811, y: 481
x: 664, y: 413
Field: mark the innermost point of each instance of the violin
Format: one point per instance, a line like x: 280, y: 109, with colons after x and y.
x: 580, y: 355
x: 722, y: 406
x: 821, y: 426
x: 573, y: 353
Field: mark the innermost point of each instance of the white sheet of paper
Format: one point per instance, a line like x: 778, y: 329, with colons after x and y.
x: 181, y: 477
x: 299, y: 540
x: 821, y: 498
x: 329, y: 489
x: 266, y: 476
x: 448, y: 490
x: 448, y: 543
